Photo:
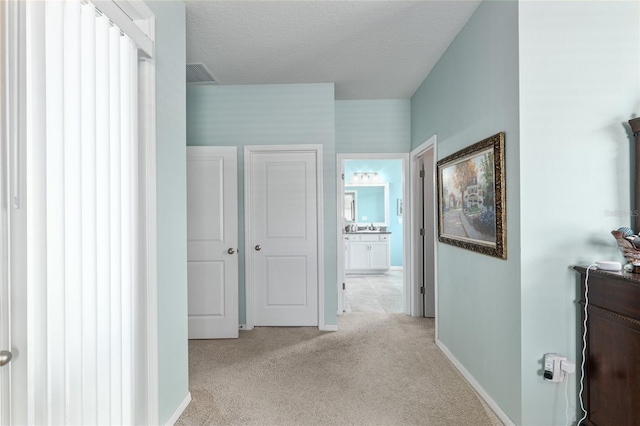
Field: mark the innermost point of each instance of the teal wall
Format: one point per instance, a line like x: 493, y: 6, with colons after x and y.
x: 389, y: 171
x: 579, y: 84
x: 373, y: 126
x: 173, y: 362
x: 470, y: 94
x: 272, y: 115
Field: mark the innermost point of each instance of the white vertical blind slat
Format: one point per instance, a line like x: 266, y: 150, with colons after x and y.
x: 37, y: 220
x: 73, y: 216
x: 89, y: 248
x: 103, y: 222
x: 116, y: 227
x: 125, y: 194
x: 56, y: 341
x: 137, y: 313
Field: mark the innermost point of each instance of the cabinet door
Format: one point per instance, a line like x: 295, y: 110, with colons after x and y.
x: 359, y: 255
x: 379, y: 256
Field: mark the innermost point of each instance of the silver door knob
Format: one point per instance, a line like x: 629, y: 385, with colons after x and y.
x: 258, y: 247
x: 231, y: 251
x: 5, y: 357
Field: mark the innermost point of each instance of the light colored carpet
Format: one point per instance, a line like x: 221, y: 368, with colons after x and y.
x: 379, y: 369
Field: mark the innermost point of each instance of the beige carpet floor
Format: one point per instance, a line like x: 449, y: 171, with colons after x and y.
x: 379, y: 369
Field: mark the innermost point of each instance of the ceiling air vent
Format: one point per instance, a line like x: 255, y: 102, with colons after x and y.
x: 199, y: 73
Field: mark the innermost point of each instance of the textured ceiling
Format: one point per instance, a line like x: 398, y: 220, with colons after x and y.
x: 369, y: 49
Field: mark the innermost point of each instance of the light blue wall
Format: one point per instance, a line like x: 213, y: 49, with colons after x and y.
x: 272, y: 115
x: 579, y: 84
x: 373, y: 126
x: 173, y: 363
x: 470, y: 94
x: 388, y: 171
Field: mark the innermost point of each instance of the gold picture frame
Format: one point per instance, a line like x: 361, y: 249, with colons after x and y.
x: 471, y: 198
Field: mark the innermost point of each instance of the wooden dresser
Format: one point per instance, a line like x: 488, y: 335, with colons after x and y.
x: 612, y: 368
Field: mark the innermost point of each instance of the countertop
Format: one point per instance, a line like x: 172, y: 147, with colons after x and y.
x: 367, y: 232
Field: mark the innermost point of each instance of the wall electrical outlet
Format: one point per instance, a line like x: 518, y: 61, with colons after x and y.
x: 552, y: 370
x: 557, y: 368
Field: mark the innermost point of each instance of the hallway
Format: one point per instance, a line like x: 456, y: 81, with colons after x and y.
x: 379, y: 369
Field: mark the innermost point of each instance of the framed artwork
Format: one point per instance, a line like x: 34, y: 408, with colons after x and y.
x: 471, y: 198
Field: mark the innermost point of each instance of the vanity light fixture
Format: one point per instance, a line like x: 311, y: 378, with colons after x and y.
x: 365, y: 177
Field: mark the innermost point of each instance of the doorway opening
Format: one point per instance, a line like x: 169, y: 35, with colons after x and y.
x: 373, y: 259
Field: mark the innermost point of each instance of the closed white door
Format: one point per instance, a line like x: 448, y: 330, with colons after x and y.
x: 283, y: 237
x: 212, y: 242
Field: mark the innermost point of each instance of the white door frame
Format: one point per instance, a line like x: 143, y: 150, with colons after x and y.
x: 406, y: 218
x: 418, y: 300
x: 249, y: 287
x: 13, y: 158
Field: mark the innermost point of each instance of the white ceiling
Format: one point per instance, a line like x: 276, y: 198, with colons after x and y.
x: 369, y: 49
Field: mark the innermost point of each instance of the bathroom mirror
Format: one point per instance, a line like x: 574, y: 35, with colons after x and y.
x: 370, y: 203
x: 350, y: 212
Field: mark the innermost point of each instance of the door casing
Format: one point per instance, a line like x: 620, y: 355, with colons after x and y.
x: 407, y: 288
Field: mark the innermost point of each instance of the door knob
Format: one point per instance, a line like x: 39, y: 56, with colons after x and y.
x: 258, y: 247
x: 231, y: 251
x: 5, y: 357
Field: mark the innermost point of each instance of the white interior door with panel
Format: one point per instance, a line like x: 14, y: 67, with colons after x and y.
x: 212, y: 241
x: 282, y: 229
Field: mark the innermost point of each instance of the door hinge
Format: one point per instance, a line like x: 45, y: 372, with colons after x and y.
x: 422, y: 173
x: 422, y: 232
x: 343, y: 176
x: 421, y: 290
x: 344, y: 287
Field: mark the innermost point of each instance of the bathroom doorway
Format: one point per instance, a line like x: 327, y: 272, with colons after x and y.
x: 373, y: 268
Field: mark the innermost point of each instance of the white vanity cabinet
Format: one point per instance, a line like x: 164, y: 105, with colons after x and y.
x: 367, y: 253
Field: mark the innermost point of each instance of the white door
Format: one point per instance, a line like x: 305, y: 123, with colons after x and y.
x: 212, y: 242
x: 426, y: 251
x: 282, y: 236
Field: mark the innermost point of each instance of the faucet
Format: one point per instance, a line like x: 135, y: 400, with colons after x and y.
x: 371, y: 227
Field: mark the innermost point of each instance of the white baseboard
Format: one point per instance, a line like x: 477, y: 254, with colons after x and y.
x: 242, y: 326
x: 504, y: 418
x: 329, y: 327
x: 396, y: 268
x: 176, y: 414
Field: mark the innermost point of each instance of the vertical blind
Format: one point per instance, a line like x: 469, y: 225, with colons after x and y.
x: 84, y: 142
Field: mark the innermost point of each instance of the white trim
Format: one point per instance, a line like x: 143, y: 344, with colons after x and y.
x: 340, y: 264
x: 396, y: 268
x: 504, y: 418
x: 248, y: 150
x: 148, y: 199
x: 329, y: 327
x: 406, y: 218
x: 417, y: 300
x: 176, y: 414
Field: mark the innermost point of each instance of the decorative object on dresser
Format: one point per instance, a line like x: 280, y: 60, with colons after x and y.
x: 471, y: 198
x: 629, y: 245
x: 611, y: 393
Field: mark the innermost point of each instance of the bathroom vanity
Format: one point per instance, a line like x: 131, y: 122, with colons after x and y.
x: 367, y: 252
